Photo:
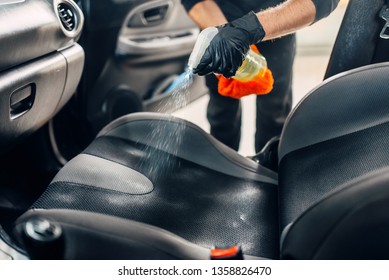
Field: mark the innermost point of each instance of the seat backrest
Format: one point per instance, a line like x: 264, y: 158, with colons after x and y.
x: 333, y: 155
x: 358, y: 37
x: 339, y: 132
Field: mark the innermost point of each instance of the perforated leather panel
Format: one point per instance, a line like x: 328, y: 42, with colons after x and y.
x: 203, y: 206
x: 105, y: 174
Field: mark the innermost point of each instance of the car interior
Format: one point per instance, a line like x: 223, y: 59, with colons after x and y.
x: 93, y: 166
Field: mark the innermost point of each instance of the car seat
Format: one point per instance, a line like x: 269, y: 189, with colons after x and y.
x: 152, y: 186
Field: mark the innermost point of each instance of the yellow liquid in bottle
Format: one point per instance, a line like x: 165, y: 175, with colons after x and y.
x: 254, y: 64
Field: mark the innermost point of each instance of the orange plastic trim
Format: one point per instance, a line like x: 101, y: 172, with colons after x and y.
x: 224, y: 253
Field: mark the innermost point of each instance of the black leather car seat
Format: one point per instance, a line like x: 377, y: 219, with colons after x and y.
x: 337, y: 136
x: 139, y: 191
x: 358, y: 41
x: 196, y: 188
x: 332, y: 143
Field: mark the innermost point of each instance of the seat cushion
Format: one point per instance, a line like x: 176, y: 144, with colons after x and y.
x: 116, y: 176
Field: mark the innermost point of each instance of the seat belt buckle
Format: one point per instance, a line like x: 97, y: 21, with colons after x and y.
x: 230, y: 253
x: 384, y: 14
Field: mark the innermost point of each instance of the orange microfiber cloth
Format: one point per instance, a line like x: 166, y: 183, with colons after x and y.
x: 236, y: 89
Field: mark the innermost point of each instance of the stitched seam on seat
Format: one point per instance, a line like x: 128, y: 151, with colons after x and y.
x: 323, y: 85
x: 335, y: 138
x: 51, y: 186
x: 332, y: 79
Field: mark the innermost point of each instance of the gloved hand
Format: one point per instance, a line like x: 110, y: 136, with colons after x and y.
x: 226, y: 51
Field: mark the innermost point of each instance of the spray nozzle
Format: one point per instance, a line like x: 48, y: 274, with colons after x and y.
x: 202, y: 43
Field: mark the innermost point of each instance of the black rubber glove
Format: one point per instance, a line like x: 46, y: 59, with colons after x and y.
x: 226, y: 51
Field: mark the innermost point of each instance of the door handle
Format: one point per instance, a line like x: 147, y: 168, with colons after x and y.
x: 155, y: 15
x: 149, y: 13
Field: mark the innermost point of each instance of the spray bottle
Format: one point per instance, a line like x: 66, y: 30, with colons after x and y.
x: 254, y: 64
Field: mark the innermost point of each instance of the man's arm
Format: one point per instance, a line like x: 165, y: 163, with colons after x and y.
x: 281, y: 20
x: 207, y: 13
x: 287, y: 18
x: 225, y: 52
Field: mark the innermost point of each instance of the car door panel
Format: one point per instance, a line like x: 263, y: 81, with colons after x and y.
x: 132, y: 56
x: 157, y: 27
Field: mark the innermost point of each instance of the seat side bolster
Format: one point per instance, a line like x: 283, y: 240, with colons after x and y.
x: 187, y: 141
x: 349, y: 223
x: 96, y: 236
x: 347, y: 103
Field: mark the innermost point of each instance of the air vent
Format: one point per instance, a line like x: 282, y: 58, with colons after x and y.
x: 68, y: 16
